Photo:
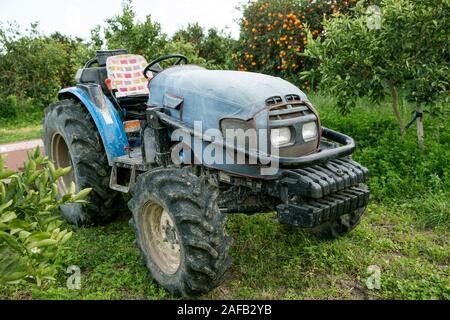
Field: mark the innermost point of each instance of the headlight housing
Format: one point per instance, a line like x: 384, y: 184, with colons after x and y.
x: 280, y: 137
x: 239, y: 132
x: 309, y: 131
x: 234, y: 124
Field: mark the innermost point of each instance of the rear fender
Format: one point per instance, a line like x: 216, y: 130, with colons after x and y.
x: 105, y: 116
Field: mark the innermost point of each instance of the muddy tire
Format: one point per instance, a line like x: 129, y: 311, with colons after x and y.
x: 340, y: 227
x: 180, y: 230
x: 71, y: 139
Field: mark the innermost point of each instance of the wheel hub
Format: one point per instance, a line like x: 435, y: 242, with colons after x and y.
x: 60, y: 155
x: 162, y: 239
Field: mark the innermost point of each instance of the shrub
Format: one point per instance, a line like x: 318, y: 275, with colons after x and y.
x: 34, y: 66
x: 31, y: 237
x: 12, y: 107
x: 213, y: 45
x: 398, y: 171
x: 123, y: 31
x: 184, y: 48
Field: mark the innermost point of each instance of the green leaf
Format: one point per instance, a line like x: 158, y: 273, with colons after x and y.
x: 5, y: 205
x: 11, y: 241
x: 72, y: 188
x: 37, y: 153
x: 62, y: 172
x: 33, y: 177
x: 52, y: 171
x: 45, y: 243
x: 66, y: 237
x: 2, y: 192
x: 82, y: 194
x: 7, y: 217
x: 11, y: 269
x: 38, y: 236
x: 6, y: 174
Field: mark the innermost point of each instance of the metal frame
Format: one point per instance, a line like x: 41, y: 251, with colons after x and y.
x: 347, y: 148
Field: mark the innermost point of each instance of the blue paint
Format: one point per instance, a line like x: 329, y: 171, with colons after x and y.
x: 107, y: 120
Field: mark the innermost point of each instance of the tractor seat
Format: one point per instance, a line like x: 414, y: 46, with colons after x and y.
x: 126, y: 75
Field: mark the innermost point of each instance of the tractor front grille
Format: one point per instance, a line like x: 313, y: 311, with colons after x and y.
x: 292, y: 112
x: 292, y: 107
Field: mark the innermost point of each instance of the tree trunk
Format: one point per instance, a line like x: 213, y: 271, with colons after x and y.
x: 401, y: 124
x: 419, y: 125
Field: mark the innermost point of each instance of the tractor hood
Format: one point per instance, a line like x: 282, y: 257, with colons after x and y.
x: 192, y: 93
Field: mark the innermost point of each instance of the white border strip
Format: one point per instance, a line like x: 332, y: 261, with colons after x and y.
x: 18, y: 146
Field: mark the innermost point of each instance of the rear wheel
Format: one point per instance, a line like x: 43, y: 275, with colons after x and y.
x: 71, y: 139
x: 180, y: 230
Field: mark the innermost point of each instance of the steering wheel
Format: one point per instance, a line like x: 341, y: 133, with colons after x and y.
x: 150, y: 66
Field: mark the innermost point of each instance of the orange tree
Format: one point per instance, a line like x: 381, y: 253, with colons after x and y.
x: 274, y: 33
x: 407, y: 54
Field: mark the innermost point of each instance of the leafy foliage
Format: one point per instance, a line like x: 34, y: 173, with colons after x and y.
x: 213, y: 46
x: 31, y: 237
x: 409, y: 51
x: 185, y: 48
x: 123, y: 31
x: 36, y: 66
x: 274, y: 33
x: 398, y: 172
x: 11, y: 107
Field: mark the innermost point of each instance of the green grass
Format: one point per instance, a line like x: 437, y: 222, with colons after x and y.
x: 20, y: 134
x: 272, y: 261
x: 405, y: 232
x: 24, y: 128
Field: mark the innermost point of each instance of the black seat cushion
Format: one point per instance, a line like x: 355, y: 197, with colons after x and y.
x: 94, y: 75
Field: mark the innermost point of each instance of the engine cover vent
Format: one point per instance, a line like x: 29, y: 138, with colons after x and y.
x: 273, y: 101
x: 292, y: 97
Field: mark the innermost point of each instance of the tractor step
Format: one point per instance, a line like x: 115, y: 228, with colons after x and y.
x: 118, y: 187
x: 321, y: 180
x: 133, y: 162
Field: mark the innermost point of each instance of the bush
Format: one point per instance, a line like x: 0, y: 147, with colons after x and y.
x: 214, y: 46
x: 399, y: 172
x: 123, y: 31
x: 34, y: 66
x: 11, y: 107
x: 184, y: 48
x: 31, y: 237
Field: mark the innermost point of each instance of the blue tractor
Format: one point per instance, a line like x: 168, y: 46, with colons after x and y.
x: 191, y: 145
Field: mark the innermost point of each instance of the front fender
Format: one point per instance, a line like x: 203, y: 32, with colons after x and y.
x: 105, y: 116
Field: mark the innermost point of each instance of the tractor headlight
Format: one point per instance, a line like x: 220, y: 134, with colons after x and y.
x: 309, y: 131
x: 280, y: 136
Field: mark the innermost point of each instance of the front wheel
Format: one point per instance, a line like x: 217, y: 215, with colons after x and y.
x: 180, y: 230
